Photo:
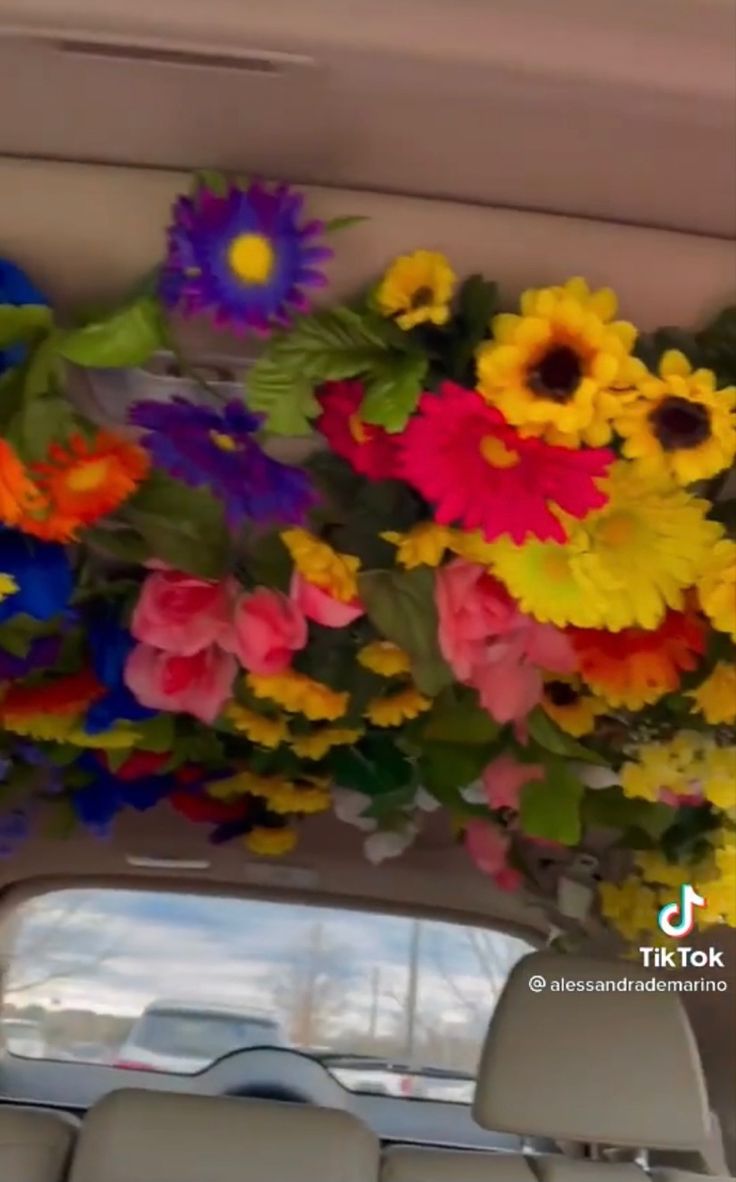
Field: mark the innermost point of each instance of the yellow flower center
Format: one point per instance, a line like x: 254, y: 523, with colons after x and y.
x: 556, y: 566
x: 617, y: 529
x: 358, y: 428
x: 495, y: 453
x: 251, y: 257
x: 85, y: 477
x: 223, y: 441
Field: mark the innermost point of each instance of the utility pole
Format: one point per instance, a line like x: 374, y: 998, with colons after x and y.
x: 412, y: 992
x: 375, y: 996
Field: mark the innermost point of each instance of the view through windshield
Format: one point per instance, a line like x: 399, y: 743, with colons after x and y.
x: 171, y: 982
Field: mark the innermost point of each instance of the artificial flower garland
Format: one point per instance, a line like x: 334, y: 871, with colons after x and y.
x: 503, y: 585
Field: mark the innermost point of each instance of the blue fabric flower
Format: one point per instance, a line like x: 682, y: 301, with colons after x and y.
x: 98, y: 803
x: 41, y: 572
x: 16, y: 289
x: 109, y: 645
x: 243, y: 257
x: 216, y: 449
x: 15, y: 827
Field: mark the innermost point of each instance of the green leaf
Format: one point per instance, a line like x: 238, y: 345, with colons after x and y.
x: 329, y: 345
x: 448, y: 767
x: 393, y: 391
x: 127, y: 337
x: 182, y: 526
x: 23, y: 322
x: 456, y: 717
x: 117, y: 757
x: 334, y: 225
x: 42, y: 371
x: 477, y: 303
x: 401, y: 605
x: 608, y: 808
x: 548, y: 735
x: 18, y: 633
x: 38, y: 424
x: 550, y: 808
x: 718, y: 342
x: 211, y: 178
x: 125, y: 545
x: 157, y: 734
x: 287, y: 400
x: 375, y: 766
x: 61, y: 819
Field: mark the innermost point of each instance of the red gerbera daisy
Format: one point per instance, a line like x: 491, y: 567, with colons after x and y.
x: 634, y: 668
x: 372, y: 451
x: 67, y: 696
x: 463, y: 457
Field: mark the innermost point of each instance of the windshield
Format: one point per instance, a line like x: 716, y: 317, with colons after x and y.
x: 391, y: 1004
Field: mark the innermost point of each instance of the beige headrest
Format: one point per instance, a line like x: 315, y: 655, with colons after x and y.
x: 35, y: 1146
x: 584, y: 1058
x: 164, y: 1137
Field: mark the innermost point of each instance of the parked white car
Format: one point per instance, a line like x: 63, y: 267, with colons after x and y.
x: 186, y: 1037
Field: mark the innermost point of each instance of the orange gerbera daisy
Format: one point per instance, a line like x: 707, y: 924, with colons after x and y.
x: 633, y: 668
x: 67, y: 696
x: 18, y: 493
x: 85, y: 480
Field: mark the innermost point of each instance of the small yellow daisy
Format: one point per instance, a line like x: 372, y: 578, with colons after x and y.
x: 715, y: 698
x: 417, y: 289
x: 397, y: 708
x: 384, y: 658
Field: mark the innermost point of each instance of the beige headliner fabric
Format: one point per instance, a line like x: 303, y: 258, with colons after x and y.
x: 138, y: 1136
x: 34, y: 1146
x: 614, y: 1068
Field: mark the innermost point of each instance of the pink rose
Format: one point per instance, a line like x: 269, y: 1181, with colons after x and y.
x: 180, y: 614
x: 492, y: 645
x: 472, y: 607
x: 488, y: 846
x: 199, y: 683
x: 504, y: 779
x: 268, y: 628
x: 320, y: 606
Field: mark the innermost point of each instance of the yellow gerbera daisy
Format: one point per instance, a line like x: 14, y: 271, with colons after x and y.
x: 300, y: 694
x: 308, y: 794
x: 561, y: 368
x: 8, y: 586
x: 572, y: 707
x: 715, y: 697
x: 416, y: 289
x: 423, y: 545
x: 631, y: 907
x: 316, y: 745
x: 680, y: 426
x: 271, y: 842
x: 655, y: 868
x: 267, y: 732
x: 689, y: 765
x: 49, y: 727
x: 717, y: 587
x: 384, y: 658
x: 321, y: 565
x: 397, y: 708
x: 622, y: 566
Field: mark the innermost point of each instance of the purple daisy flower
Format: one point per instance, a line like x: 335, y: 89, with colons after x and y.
x: 242, y: 257
x: 216, y: 448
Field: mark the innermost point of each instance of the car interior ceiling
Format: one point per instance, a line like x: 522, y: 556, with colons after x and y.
x: 600, y: 142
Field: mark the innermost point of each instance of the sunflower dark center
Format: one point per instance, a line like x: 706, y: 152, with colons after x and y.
x: 557, y: 375
x: 561, y: 694
x: 422, y: 296
x: 678, y: 423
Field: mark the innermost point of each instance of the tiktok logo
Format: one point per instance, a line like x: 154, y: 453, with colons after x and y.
x: 678, y: 919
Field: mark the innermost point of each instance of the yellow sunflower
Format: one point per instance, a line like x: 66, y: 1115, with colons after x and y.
x: 267, y: 732
x: 299, y: 694
x: 717, y: 587
x: 680, y: 426
x: 571, y: 706
x: 621, y: 567
x: 321, y: 565
x: 416, y: 289
x: 8, y: 586
x: 423, y: 545
x: 271, y: 841
x: 563, y: 367
x: 715, y: 698
x: 396, y: 708
x: 384, y: 658
x: 316, y: 745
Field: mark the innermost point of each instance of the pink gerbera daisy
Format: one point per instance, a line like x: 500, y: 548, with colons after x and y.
x: 372, y: 451
x: 463, y: 457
